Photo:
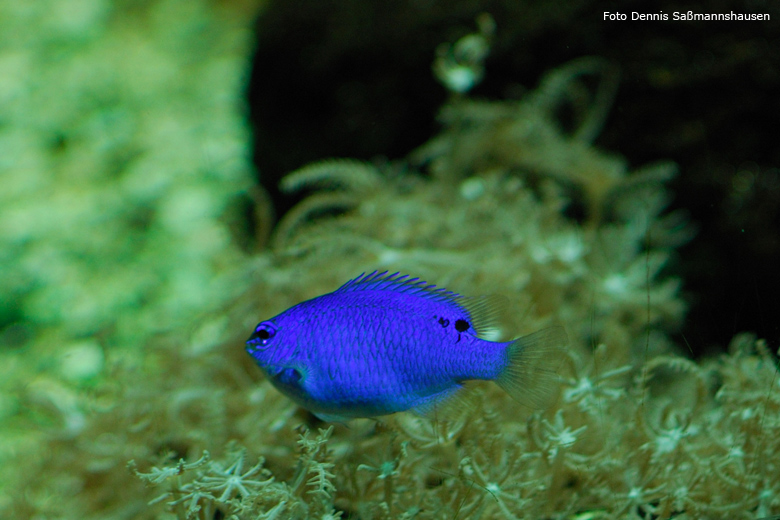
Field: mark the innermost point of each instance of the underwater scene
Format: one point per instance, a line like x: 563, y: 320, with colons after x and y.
x: 265, y: 259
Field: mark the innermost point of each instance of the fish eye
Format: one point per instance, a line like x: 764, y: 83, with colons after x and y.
x: 262, y: 335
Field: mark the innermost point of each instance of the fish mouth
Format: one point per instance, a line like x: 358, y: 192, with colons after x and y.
x: 271, y: 369
x: 251, y: 349
x: 253, y: 344
x: 261, y: 359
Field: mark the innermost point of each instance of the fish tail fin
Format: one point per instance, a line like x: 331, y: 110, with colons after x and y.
x: 530, y: 376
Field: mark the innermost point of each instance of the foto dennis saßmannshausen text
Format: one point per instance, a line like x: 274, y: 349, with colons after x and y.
x: 689, y: 16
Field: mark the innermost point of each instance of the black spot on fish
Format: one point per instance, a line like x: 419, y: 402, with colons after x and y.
x: 444, y: 322
x: 461, y: 325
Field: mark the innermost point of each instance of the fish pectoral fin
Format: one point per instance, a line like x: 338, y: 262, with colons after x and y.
x: 448, y: 405
x: 290, y: 376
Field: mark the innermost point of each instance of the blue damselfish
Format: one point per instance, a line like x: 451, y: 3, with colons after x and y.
x: 384, y: 343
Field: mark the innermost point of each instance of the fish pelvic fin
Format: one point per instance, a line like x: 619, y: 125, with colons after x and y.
x: 449, y: 405
x: 530, y: 376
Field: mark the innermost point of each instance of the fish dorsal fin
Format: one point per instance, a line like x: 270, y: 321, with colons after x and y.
x: 398, y: 283
x: 482, y: 312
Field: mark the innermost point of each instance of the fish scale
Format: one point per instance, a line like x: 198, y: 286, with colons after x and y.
x: 384, y: 343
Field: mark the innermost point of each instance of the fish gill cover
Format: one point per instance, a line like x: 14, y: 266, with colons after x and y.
x: 638, y: 430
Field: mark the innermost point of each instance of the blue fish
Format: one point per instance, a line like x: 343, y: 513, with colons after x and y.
x: 383, y: 343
